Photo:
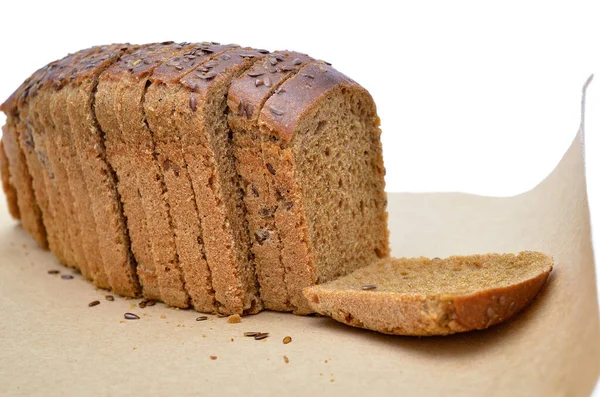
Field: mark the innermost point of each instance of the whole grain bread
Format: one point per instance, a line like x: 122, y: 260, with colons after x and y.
x: 159, y: 106
x: 421, y: 296
x: 245, y: 98
x: 131, y: 152
x: 105, y: 237
x: 321, y: 145
x: 207, y: 148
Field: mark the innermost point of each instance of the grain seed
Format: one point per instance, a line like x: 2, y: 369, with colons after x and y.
x: 131, y: 316
x: 93, y: 303
x: 287, y: 340
x: 109, y: 298
x: 201, y: 318
x: 368, y: 287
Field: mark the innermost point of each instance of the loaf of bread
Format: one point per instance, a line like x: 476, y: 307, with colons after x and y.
x: 210, y: 176
x: 421, y: 296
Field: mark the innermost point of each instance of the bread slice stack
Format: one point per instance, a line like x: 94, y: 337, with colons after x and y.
x: 210, y: 176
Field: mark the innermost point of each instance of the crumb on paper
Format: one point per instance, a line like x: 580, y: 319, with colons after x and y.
x: 234, y: 319
x: 163, y: 316
x: 132, y: 305
x: 287, y: 360
x: 204, y: 335
x: 287, y: 340
x: 213, y: 357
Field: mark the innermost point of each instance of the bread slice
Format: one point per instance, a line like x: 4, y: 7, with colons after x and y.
x: 201, y: 116
x: 421, y: 296
x: 159, y: 107
x: 246, y: 97
x: 43, y: 130
x: 97, y: 206
x: 130, y: 151
x: 9, y: 190
x: 321, y: 146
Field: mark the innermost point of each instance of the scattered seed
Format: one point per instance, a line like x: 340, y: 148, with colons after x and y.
x: 261, y: 336
x: 211, y: 64
x: 267, y: 82
x: 207, y: 76
x: 287, y: 340
x: 179, y: 67
x: 213, y: 357
x: 271, y: 169
x: 150, y: 303
x: 280, y: 90
x: 93, y: 303
x: 234, y: 319
x: 201, y: 318
x: 310, y: 76
x: 53, y: 271
x: 297, y: 61
x: 287, y: 360
x: 368, y: 287
x: 275, y: 111
x: 251, y: 333
x: 256, y: 73
x: 259, y: 82
x: 131, y: 316
x: 109, y: 298
x: 66, y: 277
x: 193, y: 103
x: 143, y: 304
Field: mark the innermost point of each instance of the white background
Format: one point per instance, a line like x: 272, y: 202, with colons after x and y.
x: 478, y: 97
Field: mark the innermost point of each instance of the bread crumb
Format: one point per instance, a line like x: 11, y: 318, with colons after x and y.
x: 134, y: 348
x: 234, y: 319
x: 332, y: 380
x: 287, y: 340
x: 163, y: 316
x: 204, y: 335
x: 213, y: 357
x: 287, y: 360
x: 325, y: 361
x: 132, y: 306
x: 232, y: 339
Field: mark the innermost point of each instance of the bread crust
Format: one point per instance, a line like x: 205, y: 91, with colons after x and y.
x: 7, y: 186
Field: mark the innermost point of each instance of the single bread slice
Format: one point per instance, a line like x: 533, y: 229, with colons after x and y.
x: 207, y: 142
x: 322, y: 150
x: 421, y: 296
x: 7, y: 186
x: 160, y: 103
x: 246, y: 97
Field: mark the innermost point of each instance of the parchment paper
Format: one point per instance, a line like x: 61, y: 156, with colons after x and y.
x: 53, y: 344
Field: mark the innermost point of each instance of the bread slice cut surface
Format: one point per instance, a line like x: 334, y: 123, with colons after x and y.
x: 421, y: 296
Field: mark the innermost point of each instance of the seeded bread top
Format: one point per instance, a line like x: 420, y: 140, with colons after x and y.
x: 283, y: 110
x: 177, y: 67
x: 248, y: 92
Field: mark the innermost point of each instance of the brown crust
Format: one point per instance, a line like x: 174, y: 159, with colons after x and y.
x: 9, y: 189
x: 246, y: 97
x: 431, y: 314
x: 281, y: 113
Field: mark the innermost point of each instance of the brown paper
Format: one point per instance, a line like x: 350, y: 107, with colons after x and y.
x: 52, y: 343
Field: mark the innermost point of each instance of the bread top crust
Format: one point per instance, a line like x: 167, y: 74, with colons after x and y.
x: 51, y: 72
x: 87, y: 67
x: 179, y: 66
x: 248, y: 92
x: 207, y: 75
x: 282, y: 111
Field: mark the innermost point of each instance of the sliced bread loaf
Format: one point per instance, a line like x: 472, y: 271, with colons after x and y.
x: 105, y: 238
x: 159, y: 106
x: 321, y: 146
x: 420, y: 296
x: 7, y: 186
x: 43, y: 130
x: 246, y: 97
x: 201, y: 116
x: 131, y: 152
